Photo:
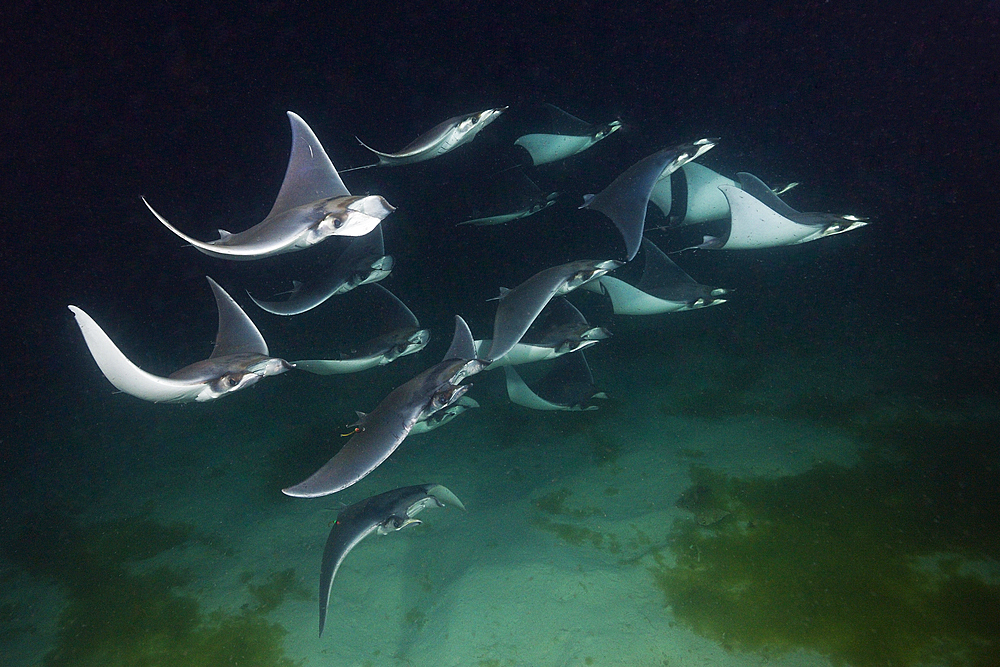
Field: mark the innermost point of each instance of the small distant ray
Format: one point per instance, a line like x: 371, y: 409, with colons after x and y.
x: 569, y: 136
x: 442, y: 138
x: 568, y: 386
x: 403, y: 336
x: 511, y: 198
x: 663, y: 288
x: 363, y: 261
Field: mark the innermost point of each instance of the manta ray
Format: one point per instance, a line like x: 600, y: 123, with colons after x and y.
x: 312, y: 205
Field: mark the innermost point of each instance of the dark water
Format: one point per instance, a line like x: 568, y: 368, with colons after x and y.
x: 886, y: 335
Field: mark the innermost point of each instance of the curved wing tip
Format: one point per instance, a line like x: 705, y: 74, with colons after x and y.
x: 305, y: 490
x: 443, y: 494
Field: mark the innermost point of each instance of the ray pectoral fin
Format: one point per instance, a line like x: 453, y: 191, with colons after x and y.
x: 179, y: 233
x: 364, y: 452
x: 344, y: 536
x: 237, y: 334
x: 212, y: 249
x: 624, y: 201
x: 310, y: 175
x: 380, y: 154
x: 373, y: 206
x: 291, y: 306
x: 335, y: 475
x: 756, y: 225
x: 337, y: 366
x: 516, y: 311
x: 463, y: 346
x: 403, y: 316
x: 520, y: 394
x: 757, y: 189
x: 626, y: 299
x: 125, y: 375
x: 445, y: 497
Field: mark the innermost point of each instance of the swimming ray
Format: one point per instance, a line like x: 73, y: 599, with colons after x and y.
x: 363, y: 261
x: 239, y: 359
x: 403, y: 337
x: 379, y: 433
x: 507, y: 201
x: 769, y: 222
x: 382, y: 514
x: 624, y: 201
x: 559, y: 329
x: 442, y: 138
x: 570, y: 136
x: 312, y: 205
x: 518, y: 308
x: 663, y: 288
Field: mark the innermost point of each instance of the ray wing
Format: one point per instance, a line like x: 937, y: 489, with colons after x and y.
x: 624, y: 201
x: 125, y: 375
x: 237, y: 333
x: 310, y: 175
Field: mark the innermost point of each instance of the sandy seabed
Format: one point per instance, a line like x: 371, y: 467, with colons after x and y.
x: 551, y: 565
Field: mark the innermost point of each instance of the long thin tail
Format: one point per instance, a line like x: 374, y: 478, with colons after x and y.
x: 367, y: 166
x: 364, y: 166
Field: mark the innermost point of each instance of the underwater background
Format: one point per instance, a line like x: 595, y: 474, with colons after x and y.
x: 804, y: 475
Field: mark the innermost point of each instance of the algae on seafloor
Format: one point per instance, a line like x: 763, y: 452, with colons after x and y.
x: 827, y: 560
x: 117, y: 617
x: 273, y: 592
x: 554, y: 503
x: 577, y: 535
